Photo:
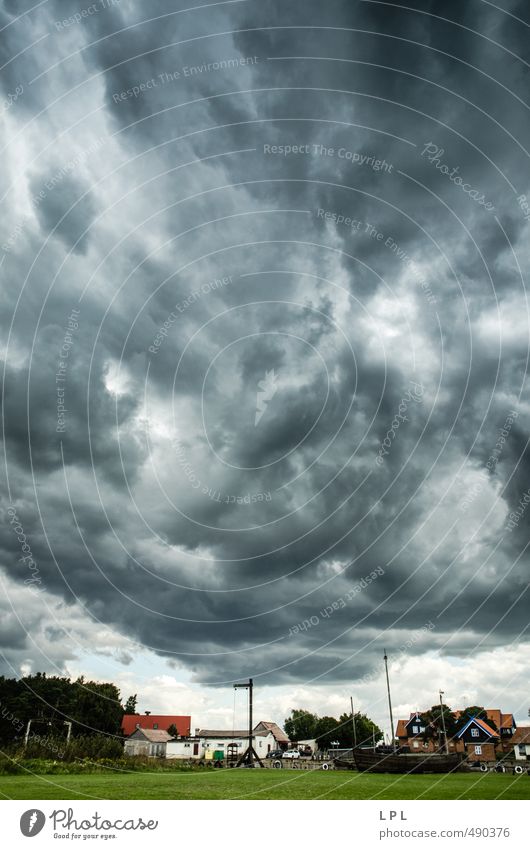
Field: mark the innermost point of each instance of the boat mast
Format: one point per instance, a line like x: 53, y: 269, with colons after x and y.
x: 353, y: 725
x: 389, y: 702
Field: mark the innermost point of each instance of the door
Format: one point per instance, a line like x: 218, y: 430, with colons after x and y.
x: 195, y: 749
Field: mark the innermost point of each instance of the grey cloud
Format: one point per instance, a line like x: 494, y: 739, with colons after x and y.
x: 182, y: 563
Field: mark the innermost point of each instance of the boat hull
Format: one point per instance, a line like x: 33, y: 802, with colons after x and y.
x: 369, y: 761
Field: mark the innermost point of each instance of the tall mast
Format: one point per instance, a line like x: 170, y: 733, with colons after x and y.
x: 353, y: 725
x: 389, y: 701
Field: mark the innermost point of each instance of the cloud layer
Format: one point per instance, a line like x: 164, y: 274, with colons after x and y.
x: 265, y: 334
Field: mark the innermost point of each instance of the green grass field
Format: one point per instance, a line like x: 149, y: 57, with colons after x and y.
x: 265, y: 784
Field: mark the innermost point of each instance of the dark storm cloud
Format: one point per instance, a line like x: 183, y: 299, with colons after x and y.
x: 186, y: 526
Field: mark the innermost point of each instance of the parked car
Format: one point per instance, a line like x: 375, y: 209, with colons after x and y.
x: 276, y: 753
x: 291, y: 754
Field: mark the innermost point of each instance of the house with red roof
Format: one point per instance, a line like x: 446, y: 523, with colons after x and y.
x: 480, y: 739
x: 131, y: 722
x: 477, y: 740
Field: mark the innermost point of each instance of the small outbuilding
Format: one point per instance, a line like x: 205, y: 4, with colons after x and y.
x: 146, y: 741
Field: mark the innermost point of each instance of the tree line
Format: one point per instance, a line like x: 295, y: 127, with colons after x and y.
x: 330, y: 732
x: 93, y: 708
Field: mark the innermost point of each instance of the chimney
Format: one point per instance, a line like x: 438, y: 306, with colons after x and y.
x: 148, y: 713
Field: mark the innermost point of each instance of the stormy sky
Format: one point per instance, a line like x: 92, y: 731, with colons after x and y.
x: 264, y: 336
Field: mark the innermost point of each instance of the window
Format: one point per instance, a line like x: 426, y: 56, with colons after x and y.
x: 478, y: 750
x: 474, y: 732
x: 155, y: 725
x: 422, y: 729
x: 415, y: 744
x: 415, y: 729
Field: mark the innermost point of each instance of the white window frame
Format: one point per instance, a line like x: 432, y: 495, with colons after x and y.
x: 478, y: 750
x: 475, y: 732
x: 415, y: 729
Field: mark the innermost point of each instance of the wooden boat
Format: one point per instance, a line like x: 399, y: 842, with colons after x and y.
x: 390, y: 759
x: 366, y: 760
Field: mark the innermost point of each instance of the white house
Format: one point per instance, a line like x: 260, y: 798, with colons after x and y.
x: 207, y: 741
x: 184, y: 749
x: 521, y: 744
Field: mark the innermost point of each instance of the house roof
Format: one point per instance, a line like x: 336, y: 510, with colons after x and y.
x: 501, y: 720
x: 401, y: 728
x: 521, y: 735
x: 481, y: 724
x: 163, y: 721
x: 227, y: 733
x: 279, y: 735
x: 150, y: 734
x: 260, y: 730
x: 222, y: 732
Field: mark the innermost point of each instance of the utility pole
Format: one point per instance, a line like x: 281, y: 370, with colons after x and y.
x: 389, y: 702
x: 353, y: 725
x: 446, y: 748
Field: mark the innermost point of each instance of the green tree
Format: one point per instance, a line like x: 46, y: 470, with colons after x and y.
x: 432, y: 720
x: 173, y: 730
x: 475, y: 711
x: 365, y: 730
x: 93, y: 707
x: 326, y: 732
x: 130, y: 704
x: 300, y: 725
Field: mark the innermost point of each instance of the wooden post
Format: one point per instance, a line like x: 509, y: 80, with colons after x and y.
x: 389, y: 703
x: 353, y: 725
x: 250, y: 755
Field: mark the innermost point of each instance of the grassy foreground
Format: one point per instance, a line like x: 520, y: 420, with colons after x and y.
x: 265, y: 784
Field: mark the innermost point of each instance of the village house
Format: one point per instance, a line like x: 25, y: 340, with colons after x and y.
x: 148, y: 735
x: 155, y: 722
x: 218, y: 744
x: 521, y: 743
x: 479, y: 739
x: 145, y: 741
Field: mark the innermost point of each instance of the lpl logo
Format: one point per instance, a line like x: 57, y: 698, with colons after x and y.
x: 32, y: 822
